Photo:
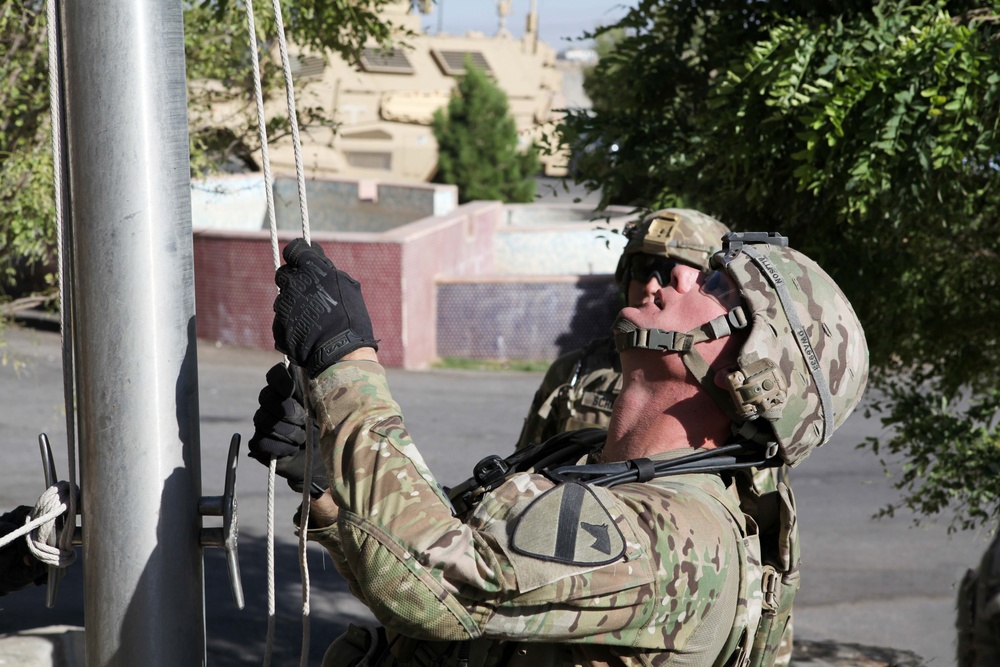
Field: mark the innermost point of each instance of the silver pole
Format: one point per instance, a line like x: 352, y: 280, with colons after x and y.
x: 133, y: 295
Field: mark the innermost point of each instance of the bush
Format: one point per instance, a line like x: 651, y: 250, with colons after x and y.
x: 478, y: 144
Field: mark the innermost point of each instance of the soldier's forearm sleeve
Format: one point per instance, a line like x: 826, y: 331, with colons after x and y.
x: 411, y: 557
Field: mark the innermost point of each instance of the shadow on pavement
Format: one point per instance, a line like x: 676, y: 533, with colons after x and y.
x: 235, y: 638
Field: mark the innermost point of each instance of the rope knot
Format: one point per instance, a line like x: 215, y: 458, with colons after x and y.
x: 42, y: 538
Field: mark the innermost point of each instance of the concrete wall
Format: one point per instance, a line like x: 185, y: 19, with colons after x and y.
x: 234, y: 288
x: 360, y: 206
x: 536, y: 318
x: 238, y: 202
x: 559, y: 239
x: 235, y: 202
x: 483, y: 280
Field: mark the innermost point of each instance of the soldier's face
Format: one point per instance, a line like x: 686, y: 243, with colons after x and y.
x: 690, y: 299
x: 648, y: 274
x: 639, y: 292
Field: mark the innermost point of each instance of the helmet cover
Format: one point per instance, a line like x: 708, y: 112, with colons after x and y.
x: 681, y: 234
x: 804, y: 365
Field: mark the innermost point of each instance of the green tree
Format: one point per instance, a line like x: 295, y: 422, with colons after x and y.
x: 218, y: 68
x: 478, y: 144
x: 868, y: 133
x: 26, y: 203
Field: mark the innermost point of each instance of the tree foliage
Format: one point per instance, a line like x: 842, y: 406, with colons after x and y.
x: 602, y: 97
x: 478, y: 144
x: 219, y: 74
x: 26, y: 203
x: 868, y: 133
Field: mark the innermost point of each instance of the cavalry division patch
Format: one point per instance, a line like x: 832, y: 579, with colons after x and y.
x: 569, y: 524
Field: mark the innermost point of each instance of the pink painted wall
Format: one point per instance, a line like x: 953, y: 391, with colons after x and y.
x: 234, y: 278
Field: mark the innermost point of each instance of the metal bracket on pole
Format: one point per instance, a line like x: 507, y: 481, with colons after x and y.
x: 49, y: 471
x: 226, y: 536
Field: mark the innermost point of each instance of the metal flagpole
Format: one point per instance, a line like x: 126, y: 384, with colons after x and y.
x: 133, y: 295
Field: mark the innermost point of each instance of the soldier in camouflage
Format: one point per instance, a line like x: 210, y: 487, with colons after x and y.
x: 580, y: 387
x: 979, y: 612
x: 552, y: 569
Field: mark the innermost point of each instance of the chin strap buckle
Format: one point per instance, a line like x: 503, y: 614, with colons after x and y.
x: 654, y: 339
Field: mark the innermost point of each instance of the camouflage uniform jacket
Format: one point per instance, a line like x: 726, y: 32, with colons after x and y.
x: 661, y: 573
x: 578, y: 390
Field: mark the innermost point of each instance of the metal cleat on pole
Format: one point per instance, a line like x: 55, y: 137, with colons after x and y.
x: 225, y: 537
x: 225, y: 506
x: 51, y: 479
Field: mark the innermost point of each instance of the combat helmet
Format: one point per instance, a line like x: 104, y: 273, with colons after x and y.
x: 681, y: 234
x: 804, y: 365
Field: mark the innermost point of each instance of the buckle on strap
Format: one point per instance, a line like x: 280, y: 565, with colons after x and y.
x: 770, y: 585
x: 718, y: 328
x: 723, y: 325
x: 671, y: 341
x: 654, y: 339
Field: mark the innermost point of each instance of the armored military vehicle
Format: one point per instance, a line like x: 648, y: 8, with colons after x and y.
x: 384, y: 108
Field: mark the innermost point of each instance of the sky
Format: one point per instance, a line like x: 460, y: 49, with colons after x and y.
x: 559, y: 21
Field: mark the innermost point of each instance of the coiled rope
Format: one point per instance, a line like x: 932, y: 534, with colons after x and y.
x: 40, y: 526
x: 273, y: 227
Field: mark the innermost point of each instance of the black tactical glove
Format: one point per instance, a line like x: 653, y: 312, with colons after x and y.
x: 319, y: 315
x: 280, y: 431
x: 18, y: 566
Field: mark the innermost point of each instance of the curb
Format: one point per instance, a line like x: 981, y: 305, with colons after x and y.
x: 52, y: 646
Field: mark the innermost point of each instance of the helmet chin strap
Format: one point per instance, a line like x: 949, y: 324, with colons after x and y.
x: 628, y: 336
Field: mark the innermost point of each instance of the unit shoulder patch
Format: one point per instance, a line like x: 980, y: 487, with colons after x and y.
x: 569, y: 524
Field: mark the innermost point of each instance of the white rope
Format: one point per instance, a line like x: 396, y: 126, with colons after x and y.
x: 304, y: 521
x: 269, y: 644
x: 293, y: 118
x: 65, y: 303
x: 262, y: 131
x: 40, y: 527
x: 304, y: 213
x: 273, y: 227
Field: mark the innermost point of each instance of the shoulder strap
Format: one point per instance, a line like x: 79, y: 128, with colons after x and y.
x: 491, y: 471
x: 732, y: 457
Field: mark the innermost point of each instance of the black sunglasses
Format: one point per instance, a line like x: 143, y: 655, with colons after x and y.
x: 645, y: 267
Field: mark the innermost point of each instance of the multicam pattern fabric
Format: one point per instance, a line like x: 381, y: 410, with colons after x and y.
x: 979, y: 612
x: 766, y: 496
x: 558, y: 406
x: 827, y: 355
x: 684, y: 592
x: 578, y: 391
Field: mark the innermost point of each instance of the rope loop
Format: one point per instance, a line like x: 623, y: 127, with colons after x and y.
x: 42, y: 540
x: 40, y: 527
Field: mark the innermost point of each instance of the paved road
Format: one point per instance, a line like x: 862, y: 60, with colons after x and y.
x: 871, y: 582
